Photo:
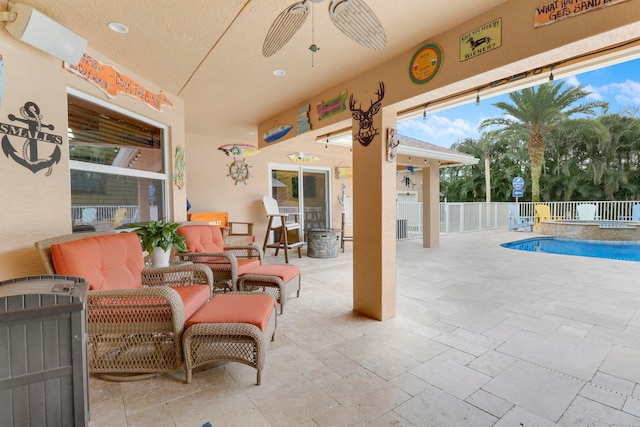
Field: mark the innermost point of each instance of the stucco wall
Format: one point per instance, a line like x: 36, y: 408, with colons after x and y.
x: 210, y: 189
x: 34, y: 206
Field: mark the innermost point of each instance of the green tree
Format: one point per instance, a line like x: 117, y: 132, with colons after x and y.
x: 533, y: 113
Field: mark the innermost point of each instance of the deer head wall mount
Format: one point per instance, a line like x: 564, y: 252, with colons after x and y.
x: 366, y: 132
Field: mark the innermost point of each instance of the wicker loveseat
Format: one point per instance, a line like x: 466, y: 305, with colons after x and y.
x: 136, y: 315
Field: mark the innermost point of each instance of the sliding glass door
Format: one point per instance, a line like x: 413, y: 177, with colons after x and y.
x: 303, y: 191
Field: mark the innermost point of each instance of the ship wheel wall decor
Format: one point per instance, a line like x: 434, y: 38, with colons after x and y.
x: 239, y: 171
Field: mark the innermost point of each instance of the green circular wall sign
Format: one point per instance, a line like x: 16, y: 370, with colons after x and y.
x: 426, y: 63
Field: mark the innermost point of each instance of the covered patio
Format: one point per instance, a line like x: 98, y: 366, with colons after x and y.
x: 505, y: 338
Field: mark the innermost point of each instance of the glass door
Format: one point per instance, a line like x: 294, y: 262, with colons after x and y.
x: 303, y: 191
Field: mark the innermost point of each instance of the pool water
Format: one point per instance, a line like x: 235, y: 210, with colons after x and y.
x: 625, y: 251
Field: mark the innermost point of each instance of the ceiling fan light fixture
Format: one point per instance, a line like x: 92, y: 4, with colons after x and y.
x: 278, y: 72
x: 353, y: 18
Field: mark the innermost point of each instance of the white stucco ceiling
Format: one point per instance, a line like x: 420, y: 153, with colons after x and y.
x: 209, y: 52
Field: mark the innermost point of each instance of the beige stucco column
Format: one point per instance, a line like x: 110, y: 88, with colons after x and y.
x: 374, y: 212
x: 431, y: 204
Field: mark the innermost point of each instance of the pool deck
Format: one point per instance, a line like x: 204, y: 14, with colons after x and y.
x: 483, y: 336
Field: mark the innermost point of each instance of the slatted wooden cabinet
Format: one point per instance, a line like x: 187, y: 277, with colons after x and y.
x: 43, y: 352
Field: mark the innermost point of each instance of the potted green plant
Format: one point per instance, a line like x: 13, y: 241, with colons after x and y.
x: 158, y: 238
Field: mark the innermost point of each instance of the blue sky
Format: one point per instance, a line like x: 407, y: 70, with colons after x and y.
x: 619, y: 85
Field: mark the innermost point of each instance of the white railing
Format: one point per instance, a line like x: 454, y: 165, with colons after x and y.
x: 95, y: 213
x: 465, y: 217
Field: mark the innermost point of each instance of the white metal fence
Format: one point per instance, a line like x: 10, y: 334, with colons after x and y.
x: 87, y: 214
x: 464, y: 217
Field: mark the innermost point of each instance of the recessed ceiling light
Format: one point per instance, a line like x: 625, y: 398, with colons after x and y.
x: 279, y: 72
x: 118, y: 27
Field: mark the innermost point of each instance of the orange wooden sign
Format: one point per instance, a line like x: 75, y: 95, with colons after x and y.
x: 557, y: 10
x: 111, y: 82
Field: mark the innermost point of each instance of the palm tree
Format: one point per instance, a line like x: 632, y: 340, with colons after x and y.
x: 533, y: 113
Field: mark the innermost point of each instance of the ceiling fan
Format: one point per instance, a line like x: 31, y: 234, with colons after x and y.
x: 353, y: 17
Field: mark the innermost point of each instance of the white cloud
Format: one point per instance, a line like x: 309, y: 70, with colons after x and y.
x: 626, y: 94
x: 595, y: 94
x: 438, y: 130
x: 572, y: 81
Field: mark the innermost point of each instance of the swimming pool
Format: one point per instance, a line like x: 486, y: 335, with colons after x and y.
x: 625, y: 251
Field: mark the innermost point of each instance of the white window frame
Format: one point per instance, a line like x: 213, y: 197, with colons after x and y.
x: 299, y: 170
x: 115, y: 170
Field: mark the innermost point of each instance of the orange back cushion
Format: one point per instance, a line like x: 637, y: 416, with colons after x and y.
x: 202, y: 238
x: 112, y: 261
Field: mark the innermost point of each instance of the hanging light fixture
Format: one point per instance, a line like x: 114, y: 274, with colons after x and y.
x: 551, y: 75
x: 478, y: 97
x: 301, y: 157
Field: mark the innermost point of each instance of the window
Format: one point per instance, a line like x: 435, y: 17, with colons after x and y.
x: 117, y: 162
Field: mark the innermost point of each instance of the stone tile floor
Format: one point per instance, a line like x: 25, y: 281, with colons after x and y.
x: 484, y: 336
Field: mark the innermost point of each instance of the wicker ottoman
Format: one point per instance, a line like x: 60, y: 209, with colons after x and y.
x: 274, y: 279
x: 231, y: 327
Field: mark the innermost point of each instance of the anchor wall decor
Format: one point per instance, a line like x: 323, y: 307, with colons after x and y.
x: 31, y: 135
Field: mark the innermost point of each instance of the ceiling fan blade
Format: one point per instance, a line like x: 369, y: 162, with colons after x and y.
x: 358, y: 22
x: 284, y: 27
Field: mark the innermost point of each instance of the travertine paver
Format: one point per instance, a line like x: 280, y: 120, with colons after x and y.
x: 483, y: 336
x: 541, y: 391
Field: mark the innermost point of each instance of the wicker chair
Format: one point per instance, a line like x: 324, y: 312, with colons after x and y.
x: 137, y: 333
x: 205, y: 245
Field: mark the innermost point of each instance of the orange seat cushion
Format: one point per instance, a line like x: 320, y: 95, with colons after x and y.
x: 193, y: 297
x: 202, y: 238
x: 112, y: 261
x: 284, y: 272
x: 244, y: 265
x: 252, y: 309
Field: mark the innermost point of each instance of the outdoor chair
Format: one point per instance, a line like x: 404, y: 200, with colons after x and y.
x: 136, y: 315
x: 118, y: 217
x: 586, y: 212
x: 278, y: 223
x: 635, y: 214
x: 516, y: 221
x: 347, y: 221
x: 238, y: 232
x: 89, y: 215
x: 205, y: 245
x: 238, y: 267
x: 543, y: 213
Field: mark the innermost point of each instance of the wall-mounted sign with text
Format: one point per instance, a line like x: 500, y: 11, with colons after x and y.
x: 426, y: 63
x: 557, y: 10
x: 333, y: 106
x: 112, y: 82
x: 481, y: 40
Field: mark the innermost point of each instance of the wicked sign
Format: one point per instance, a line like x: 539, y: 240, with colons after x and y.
x: 28, y: 132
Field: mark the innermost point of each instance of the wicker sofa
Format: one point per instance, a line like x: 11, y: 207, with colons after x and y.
x: 136, y: 315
